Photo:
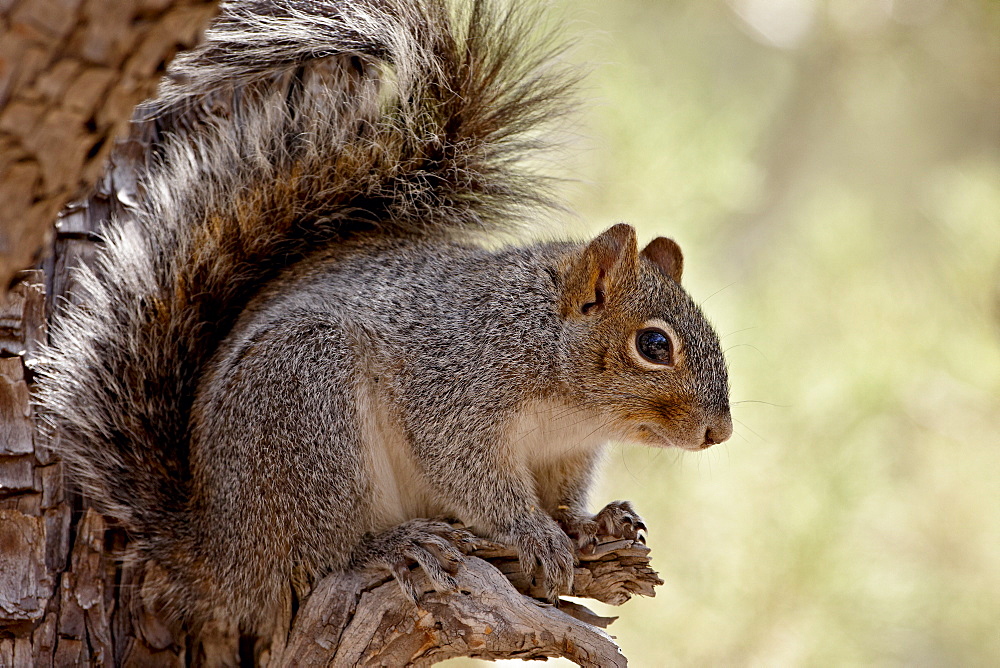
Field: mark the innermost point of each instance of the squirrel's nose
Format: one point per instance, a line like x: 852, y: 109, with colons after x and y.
x: 718, y: 430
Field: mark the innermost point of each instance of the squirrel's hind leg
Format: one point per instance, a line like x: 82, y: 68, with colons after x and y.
x: 279, y: 488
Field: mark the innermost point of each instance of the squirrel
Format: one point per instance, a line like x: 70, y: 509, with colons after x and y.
x: 304, y: 347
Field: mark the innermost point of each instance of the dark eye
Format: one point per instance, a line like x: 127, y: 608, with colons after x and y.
x: 654, y: 345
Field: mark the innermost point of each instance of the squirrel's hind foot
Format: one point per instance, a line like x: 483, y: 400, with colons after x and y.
x: 434, y: 545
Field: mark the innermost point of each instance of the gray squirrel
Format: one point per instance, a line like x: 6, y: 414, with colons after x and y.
x: 298, y: 355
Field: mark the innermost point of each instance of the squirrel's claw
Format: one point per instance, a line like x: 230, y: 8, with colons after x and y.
x: 401, y: 572
x: 617, y: 520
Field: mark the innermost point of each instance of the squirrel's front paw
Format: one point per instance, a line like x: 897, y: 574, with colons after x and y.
x: 546, y: 554
x: 435, y: 546
x: 618, y: 519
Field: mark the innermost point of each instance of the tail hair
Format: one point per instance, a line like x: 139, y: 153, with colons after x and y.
x: 296, y: 124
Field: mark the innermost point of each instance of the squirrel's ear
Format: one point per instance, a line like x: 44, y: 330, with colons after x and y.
x: 605, y: 261
x: 665, y: 254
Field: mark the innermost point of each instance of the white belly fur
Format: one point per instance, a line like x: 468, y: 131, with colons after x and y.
x: 546, y: 434
x: 550, y: 431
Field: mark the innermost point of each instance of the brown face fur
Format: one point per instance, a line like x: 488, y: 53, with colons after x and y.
x: 611, y: 293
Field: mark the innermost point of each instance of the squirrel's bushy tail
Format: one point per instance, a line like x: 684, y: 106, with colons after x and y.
x: 294, y: 125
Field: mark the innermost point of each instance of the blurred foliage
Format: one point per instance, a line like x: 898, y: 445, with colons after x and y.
x: 832, y: 170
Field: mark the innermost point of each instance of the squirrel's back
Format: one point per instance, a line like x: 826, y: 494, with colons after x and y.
x: 296, y: 125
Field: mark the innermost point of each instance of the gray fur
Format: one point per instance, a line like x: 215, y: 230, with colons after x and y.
x: 293, y: 355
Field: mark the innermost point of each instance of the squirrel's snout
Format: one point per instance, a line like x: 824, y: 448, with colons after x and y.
x: 718, y: 429
x: 696, y: 434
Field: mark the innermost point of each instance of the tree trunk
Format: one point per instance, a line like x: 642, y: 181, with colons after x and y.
x: 70, y: 72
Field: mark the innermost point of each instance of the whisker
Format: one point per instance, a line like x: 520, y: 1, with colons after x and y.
x: 722, y: 289
x: 758, y: 401
x: 745, y: 329
x: 746, y: 345
x: 744, y: 424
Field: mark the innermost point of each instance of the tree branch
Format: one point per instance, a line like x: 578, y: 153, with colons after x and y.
x: 364, y: 619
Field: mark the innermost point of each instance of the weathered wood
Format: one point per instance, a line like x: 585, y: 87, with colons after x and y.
x: 612, y: 573
x: 70, y: 73
x: 22, y: 320
x: 364, y: 619
x: 25, y: 582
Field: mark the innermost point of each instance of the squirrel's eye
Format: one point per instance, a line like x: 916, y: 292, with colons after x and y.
x: 654, y: 346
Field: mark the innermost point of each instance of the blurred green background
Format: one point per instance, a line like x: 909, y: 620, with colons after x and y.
x: 832, y: 170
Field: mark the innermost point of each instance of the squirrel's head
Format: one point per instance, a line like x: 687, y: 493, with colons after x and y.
x: 637, y: 348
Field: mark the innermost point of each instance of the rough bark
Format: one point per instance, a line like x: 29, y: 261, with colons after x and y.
x: 70, y: 73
